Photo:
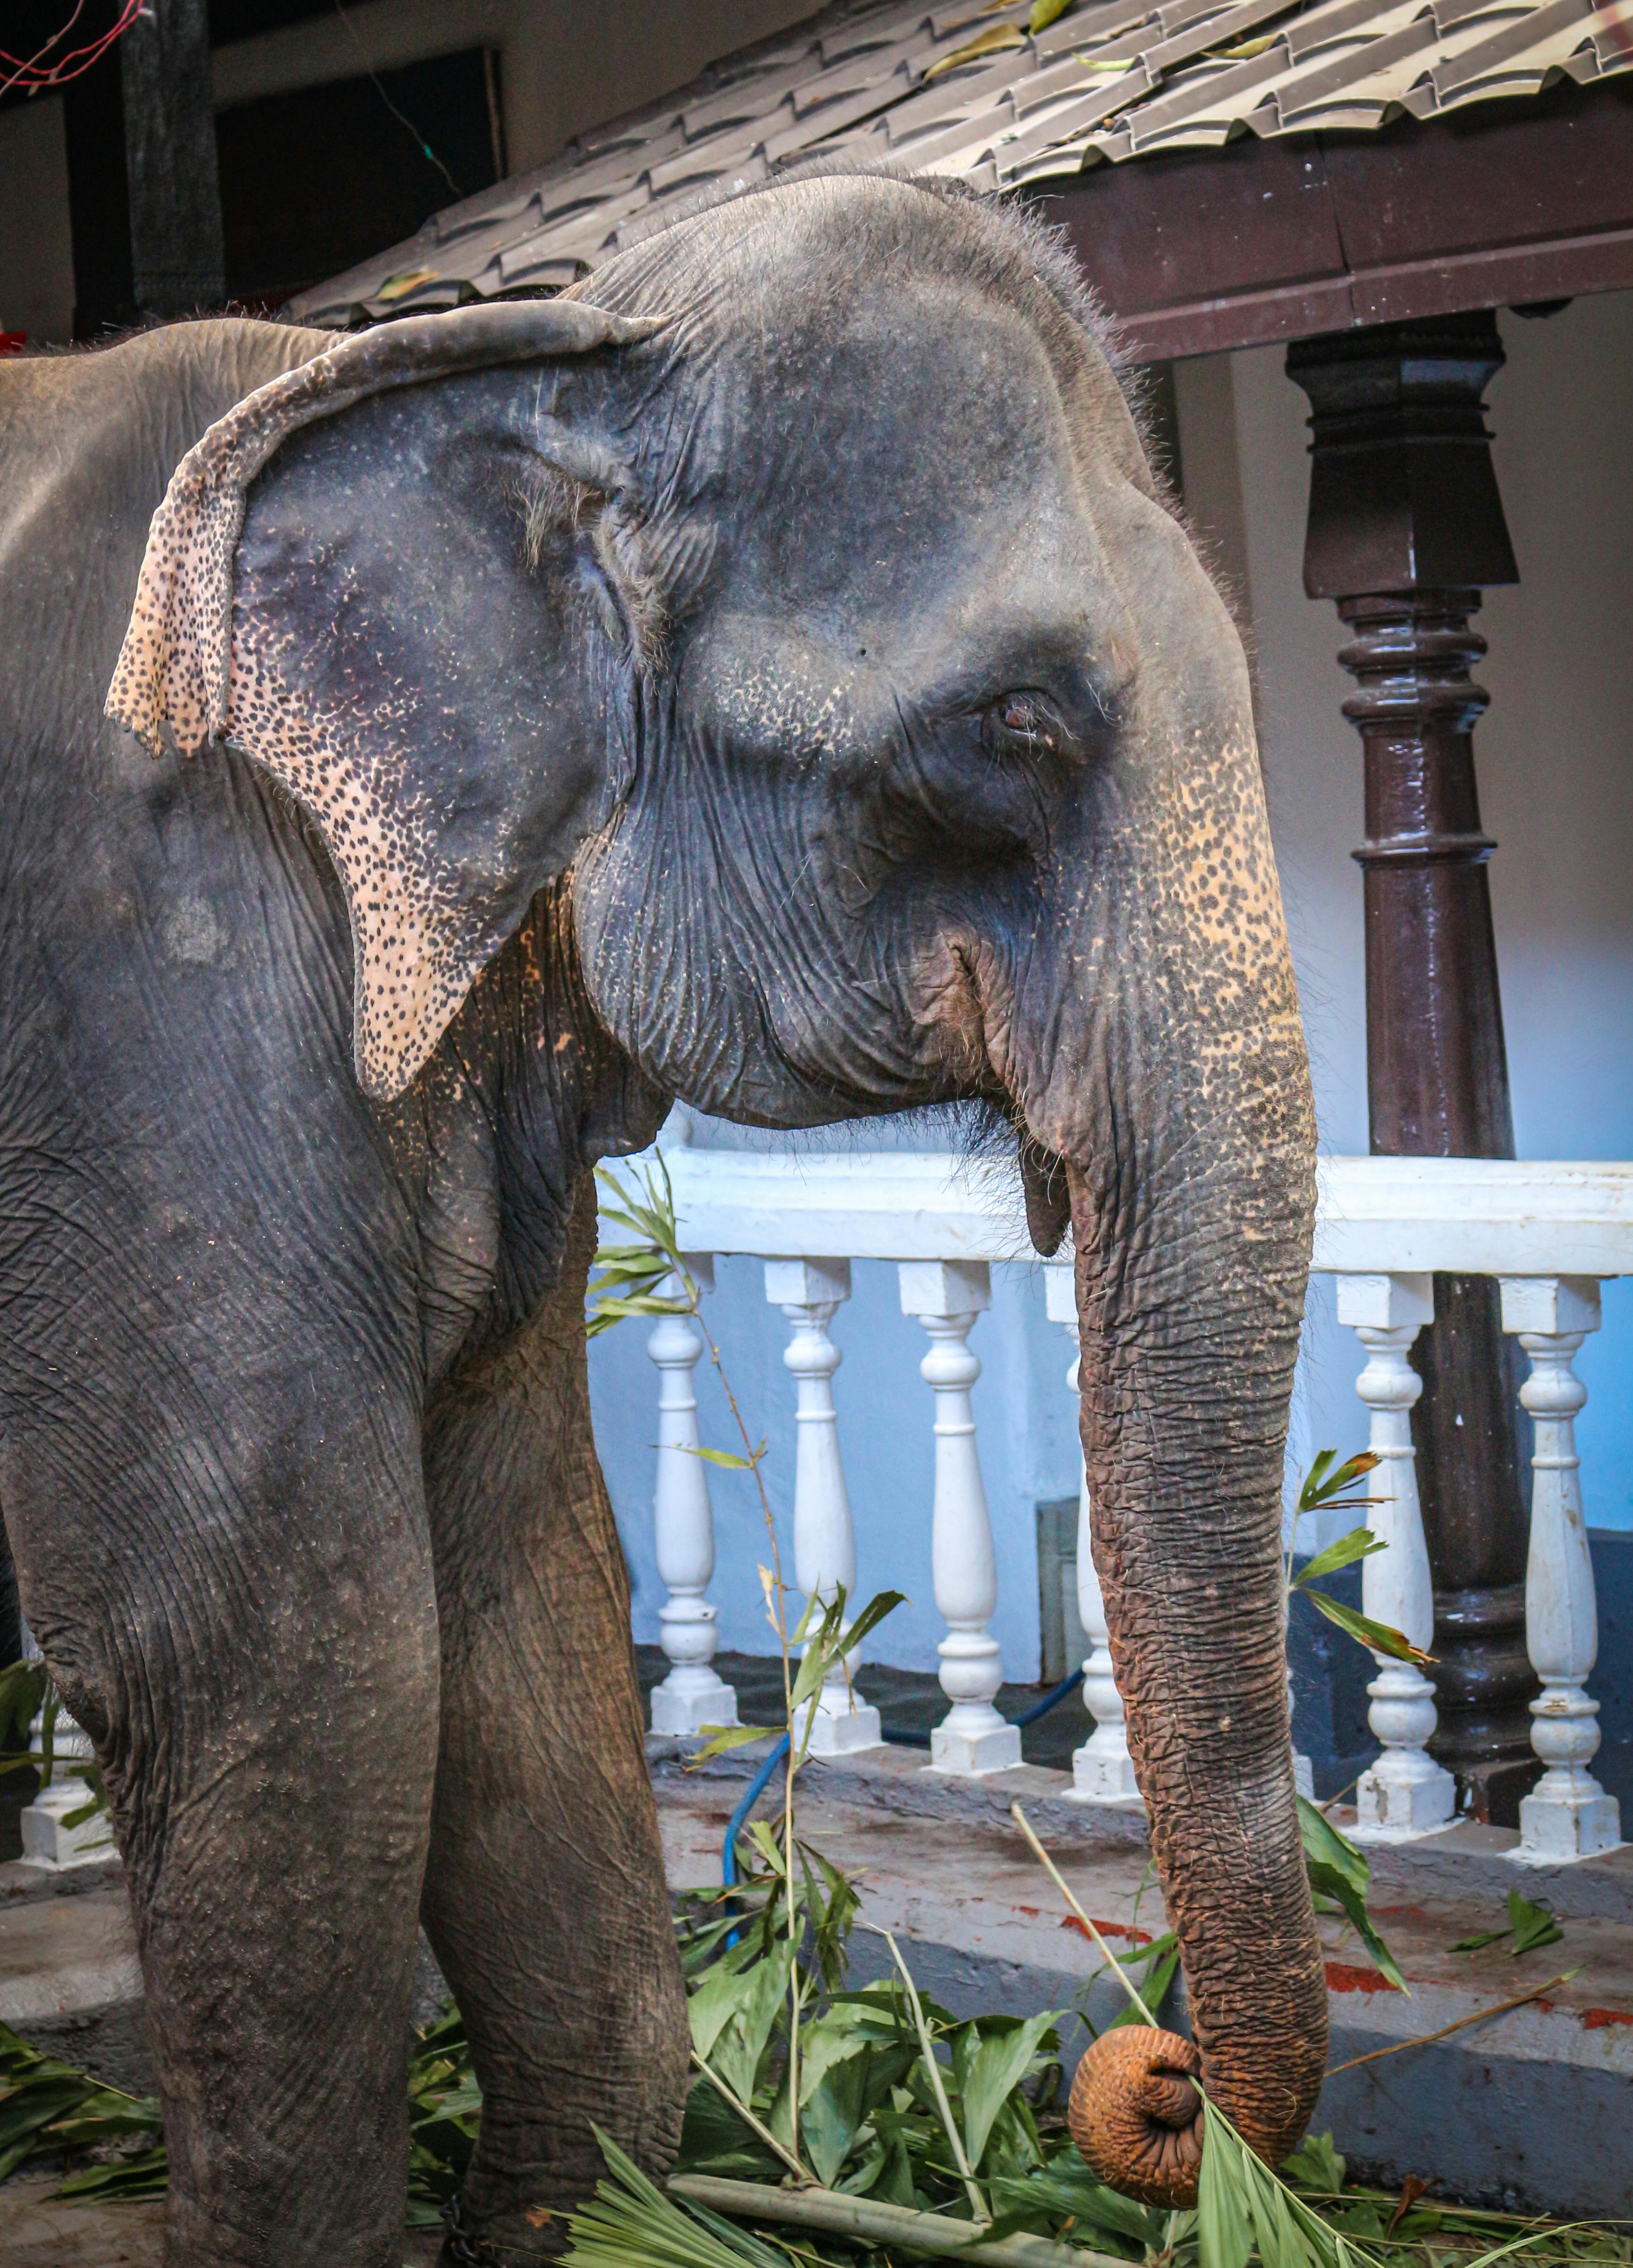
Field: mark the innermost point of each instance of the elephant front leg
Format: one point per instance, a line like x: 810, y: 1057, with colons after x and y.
x: 253, y: 1646
x: 544, y: 1896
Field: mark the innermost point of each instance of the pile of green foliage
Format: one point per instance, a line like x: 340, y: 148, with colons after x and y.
x: 833, y: 2121
x: 902, y: 2104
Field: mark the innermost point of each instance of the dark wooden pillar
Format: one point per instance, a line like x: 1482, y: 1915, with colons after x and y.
x: 144, y: 198
x: 1406, y: 529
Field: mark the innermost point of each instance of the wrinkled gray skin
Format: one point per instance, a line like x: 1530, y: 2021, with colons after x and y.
x: 901, y: 752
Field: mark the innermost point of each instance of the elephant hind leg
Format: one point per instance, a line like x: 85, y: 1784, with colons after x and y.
x: 255, y: 1649
x: 544, y: 1896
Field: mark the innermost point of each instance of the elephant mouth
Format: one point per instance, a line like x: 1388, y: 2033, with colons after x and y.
x: 1048, y: 1198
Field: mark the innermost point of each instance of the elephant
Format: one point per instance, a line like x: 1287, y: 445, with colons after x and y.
x: 767, y: 675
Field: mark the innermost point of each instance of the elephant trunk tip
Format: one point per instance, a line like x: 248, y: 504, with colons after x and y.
x: 1136, y: 2116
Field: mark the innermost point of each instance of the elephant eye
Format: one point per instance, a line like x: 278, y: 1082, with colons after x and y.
x: 1023, y: 724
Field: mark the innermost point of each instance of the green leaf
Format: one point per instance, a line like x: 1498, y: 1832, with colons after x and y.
x: 833, y: 2110
x: 1534, y: 1926
x: 1378, y: 1638
x: 1360, y: 1543
x: 1315, y: 2165
x: 833, y: 1909
x: 882, y: 1603
x: 1473, y: 1944
x: 1224, y: 2235
x: 22, y: 1692
x: 630, y: 2223
x: 1339, y: 1871
x: 995, y: 42
x: 740, y: 2041
x: 1045, y: 13
x: 1344, y: 1893
x: 812, y: 1670
x: 724, y: 1737
x: 833, y: 2038
x: 1067, y: 2191
x: 1152, y: 1991
x: 728, y: 1459
x: 1325, y: 1846
x: 765, y: 1841
x: 146, y: 2176
x: 996, y: 2068
x: 1322, y: 1483
x: 711, y: 2006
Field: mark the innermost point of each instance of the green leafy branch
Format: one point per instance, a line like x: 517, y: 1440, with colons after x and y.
x: 649, y: 1275
x: 47, y: 2109
x: 1330, y: 1486
x: 1339, y: 1876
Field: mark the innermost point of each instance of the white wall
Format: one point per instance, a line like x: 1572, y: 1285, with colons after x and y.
x: 36, y: 250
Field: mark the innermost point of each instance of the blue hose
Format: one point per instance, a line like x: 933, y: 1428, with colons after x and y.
x: 1050, y: 1700
x: 896, y: 1735
x: 739, y: 1818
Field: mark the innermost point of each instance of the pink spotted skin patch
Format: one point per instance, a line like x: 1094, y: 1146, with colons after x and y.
x: 194, y: 671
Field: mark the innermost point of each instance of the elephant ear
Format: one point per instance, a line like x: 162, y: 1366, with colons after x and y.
x: 352, y: 642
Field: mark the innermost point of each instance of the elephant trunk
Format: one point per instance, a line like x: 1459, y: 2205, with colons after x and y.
x: 1190, y: 1285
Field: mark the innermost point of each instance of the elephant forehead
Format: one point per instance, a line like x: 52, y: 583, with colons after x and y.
x: 893, y: 437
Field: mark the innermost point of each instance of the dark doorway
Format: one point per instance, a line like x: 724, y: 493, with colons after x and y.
x: 314, y: 182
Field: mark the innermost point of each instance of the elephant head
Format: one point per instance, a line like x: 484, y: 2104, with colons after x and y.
x: 806, y: 609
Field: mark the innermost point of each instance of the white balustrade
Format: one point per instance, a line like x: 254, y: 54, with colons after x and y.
x: 1568, y: 1814
x: 1405, y: 1793
x: 693, y: 1694
x: 48, y: 1839
x: 824, y: 1541
x: 1550, y: 1231
x: 1102, y: 1770
x: 947, y: 1296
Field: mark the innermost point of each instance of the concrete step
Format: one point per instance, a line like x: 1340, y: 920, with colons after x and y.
x: 1526, y: 2110
x: 70, y: 1981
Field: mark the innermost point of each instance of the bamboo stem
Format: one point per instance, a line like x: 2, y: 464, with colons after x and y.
x: 978, y: 2203
x: 873, y: 2221
x: 751, y: 2122
x: 1055, y: 1876
x: 1423, y: 2039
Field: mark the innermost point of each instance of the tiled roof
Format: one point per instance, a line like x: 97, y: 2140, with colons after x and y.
x: 970, y: 90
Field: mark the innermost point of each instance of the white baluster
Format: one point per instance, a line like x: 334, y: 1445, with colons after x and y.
x: 693, y: 1694
x: 1405, y: 1793
x: 46, y: 1840
x: 947, y: 1295
x: 824, y: 1541
x: 1102, y: 1769
x: 1568, y: 1814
